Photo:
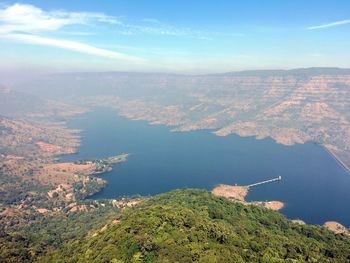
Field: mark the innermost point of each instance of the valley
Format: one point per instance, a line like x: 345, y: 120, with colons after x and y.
x: 291, y: 107
x: 58, y: 152
x: 174, y: 131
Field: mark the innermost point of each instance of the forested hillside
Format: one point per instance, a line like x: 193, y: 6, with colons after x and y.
x: 194, y: 225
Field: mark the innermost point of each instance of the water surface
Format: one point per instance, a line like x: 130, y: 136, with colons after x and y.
x: 314, y: 187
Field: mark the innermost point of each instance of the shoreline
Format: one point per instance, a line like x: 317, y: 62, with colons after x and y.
x: 335, y: 157
x: 175, y: 128
x: 279, y: 206
x: 238, y: 193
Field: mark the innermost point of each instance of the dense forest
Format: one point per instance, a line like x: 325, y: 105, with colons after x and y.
x: 194, y: 225
x: 26, y: 242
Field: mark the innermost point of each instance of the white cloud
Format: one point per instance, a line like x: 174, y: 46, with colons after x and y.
x: 333, y: 24
x: 22, y: 23
x: 161, y: 29
x: 71, y: 45
x: 28, y: 18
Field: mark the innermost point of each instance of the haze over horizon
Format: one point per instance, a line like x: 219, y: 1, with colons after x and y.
x: 180, y: 37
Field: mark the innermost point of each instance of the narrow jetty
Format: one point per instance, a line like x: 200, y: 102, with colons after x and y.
x: 279, y: 178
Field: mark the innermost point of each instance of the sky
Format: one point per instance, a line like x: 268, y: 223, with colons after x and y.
x: 186, y: 36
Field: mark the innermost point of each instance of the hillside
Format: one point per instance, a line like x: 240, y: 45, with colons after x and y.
x: 193, y: 225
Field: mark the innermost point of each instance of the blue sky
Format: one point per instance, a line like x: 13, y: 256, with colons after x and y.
x: 173, y: 36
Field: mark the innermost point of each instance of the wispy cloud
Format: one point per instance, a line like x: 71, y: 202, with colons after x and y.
x: 151, y: 26
x: 19, y: 18
x: 72, y: 45
x: 31, y: 19
x: 23, y: 23
x: 333, y: 24
x: 167, y: 30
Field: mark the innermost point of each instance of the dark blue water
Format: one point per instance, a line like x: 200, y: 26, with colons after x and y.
x: 314, y: 187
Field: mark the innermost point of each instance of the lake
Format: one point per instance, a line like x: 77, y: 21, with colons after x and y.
x: 314, y: 187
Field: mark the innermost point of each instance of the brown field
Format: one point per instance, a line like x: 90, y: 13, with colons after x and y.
x: 63, y: 173
x: 54, y: 149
